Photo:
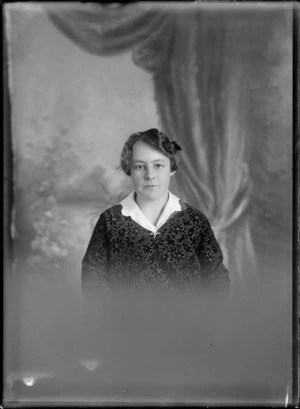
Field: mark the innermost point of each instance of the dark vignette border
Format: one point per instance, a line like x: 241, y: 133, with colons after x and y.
x: 296, y: 203
x: 7, y: 171
x: 8, y: 196
x: 8, y: 188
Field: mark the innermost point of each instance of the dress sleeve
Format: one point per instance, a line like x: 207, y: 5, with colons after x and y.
x: 94, y: 273
x: 214, y: 273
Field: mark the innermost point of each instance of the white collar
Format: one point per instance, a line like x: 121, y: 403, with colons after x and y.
x: 131, y: 208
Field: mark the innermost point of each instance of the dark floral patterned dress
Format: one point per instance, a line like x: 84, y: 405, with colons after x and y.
x: 182, y: 254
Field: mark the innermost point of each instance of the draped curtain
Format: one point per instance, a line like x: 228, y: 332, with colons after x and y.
x: 198, y: 64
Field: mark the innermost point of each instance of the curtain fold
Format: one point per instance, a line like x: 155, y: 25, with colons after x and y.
x: 201, y: 105
x: 103, y: 31
x: 198, y: 65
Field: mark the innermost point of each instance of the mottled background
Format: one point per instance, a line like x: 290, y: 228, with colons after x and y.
x: 71, y: 112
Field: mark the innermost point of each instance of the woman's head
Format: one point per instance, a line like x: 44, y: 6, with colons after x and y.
x: 150, y: 158
x: 156, y: 140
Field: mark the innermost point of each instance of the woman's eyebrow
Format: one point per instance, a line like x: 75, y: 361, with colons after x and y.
x: 153, y: 161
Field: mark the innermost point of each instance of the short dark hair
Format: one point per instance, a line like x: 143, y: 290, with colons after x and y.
x: 157, y: 140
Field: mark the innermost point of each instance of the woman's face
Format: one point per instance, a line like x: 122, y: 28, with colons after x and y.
x: 150, y: 172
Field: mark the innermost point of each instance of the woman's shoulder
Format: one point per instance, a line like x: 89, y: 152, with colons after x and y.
x: 195, y: 216
x: 110, y: 213
x: 114, y: 210
x: 110, y: 218
x: 193, y: 211
x: 185, y: 208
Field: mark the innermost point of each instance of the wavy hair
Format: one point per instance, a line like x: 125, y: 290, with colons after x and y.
x: 156, y: 140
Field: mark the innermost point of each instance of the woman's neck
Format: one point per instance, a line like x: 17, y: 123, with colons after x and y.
x: 152, y: 209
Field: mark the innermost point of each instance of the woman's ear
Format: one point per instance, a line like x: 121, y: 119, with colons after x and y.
x: 172, y: 173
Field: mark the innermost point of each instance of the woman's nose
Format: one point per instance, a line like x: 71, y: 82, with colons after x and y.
x: 149, y: 174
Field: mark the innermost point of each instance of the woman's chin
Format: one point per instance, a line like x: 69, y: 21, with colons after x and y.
x: 152, y: 193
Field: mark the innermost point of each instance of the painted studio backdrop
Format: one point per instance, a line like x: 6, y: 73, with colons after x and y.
x: 82, y: 78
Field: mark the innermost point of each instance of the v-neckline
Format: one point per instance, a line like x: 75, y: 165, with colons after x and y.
x: 159, y: 215
x: 171, y: 217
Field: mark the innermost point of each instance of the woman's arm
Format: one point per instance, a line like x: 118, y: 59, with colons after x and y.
x: 94, y: 273
x: 214, y: 273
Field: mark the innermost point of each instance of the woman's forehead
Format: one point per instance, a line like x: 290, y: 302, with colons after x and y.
x: 143, y: 152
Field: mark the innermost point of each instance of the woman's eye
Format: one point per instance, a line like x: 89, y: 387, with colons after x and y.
x: 139, y: 167
x: 158, y: 165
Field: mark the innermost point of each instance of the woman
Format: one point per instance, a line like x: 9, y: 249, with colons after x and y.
x: 151, y: 239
